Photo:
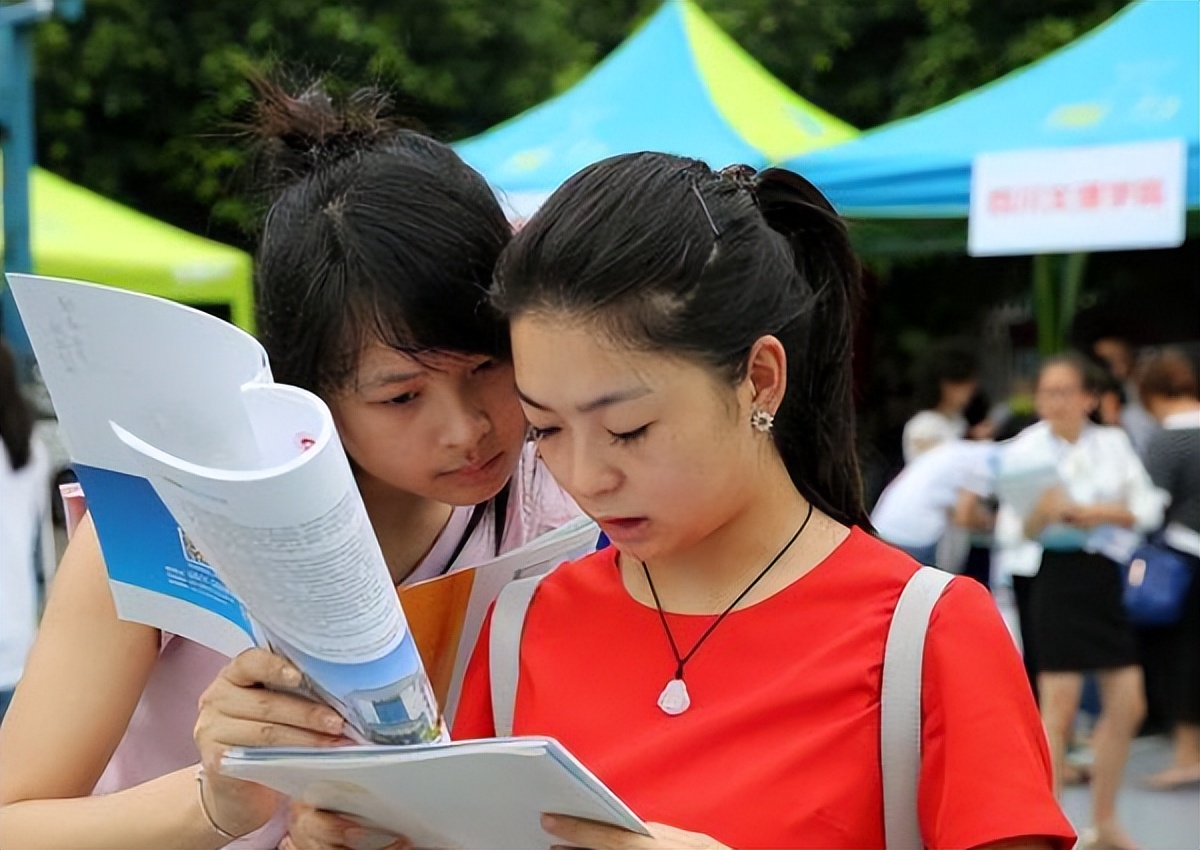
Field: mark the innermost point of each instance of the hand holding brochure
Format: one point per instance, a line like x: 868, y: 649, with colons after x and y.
x: 224, y: 503
x: 469, y: 795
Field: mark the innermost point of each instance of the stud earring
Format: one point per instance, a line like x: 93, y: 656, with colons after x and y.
x: 761, y: 420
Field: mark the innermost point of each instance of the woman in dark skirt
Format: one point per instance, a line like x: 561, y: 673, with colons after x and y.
x: 1168, y: 390
x: 1078, y: 618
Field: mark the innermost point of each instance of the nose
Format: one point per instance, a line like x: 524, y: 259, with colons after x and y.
x: 465, y: 424
x: 588, y: 475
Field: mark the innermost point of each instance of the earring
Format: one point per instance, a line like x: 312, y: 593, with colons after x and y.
x: 761, y: 420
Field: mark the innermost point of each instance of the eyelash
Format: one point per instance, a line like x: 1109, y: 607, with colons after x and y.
x: 622, y: 439
x: 629, y: 436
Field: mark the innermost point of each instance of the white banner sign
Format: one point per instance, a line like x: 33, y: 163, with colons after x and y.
x: 1061, y: 200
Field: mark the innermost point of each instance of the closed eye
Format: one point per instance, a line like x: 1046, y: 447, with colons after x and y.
x: 485, y: 366
x: 630, y: 436
x: 542, y: 433
x: 403, y: 398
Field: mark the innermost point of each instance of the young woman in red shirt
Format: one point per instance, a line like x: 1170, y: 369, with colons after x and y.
x: 681, y: 341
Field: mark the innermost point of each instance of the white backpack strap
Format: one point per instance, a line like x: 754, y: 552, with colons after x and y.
x: 504, y: 649
x: 900, y: 699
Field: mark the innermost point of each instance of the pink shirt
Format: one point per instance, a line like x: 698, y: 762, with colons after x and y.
x: 159, y: 740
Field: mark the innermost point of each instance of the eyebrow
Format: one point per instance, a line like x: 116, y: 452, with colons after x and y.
x: 388, y: 379
x: 595, y: 404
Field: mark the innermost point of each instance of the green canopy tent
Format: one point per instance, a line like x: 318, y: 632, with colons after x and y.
x: 76, y: 233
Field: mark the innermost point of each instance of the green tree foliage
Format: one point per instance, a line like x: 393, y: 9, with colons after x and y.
x: 137, y: 99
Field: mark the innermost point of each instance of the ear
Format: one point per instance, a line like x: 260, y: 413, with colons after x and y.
x: 766, y: 373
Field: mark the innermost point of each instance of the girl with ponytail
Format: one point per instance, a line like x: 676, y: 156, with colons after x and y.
x: 681, y: 340
x: 371, y: 287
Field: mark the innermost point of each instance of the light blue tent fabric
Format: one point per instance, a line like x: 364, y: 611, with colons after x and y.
x: 678, y: 85
x: 1135, y: 78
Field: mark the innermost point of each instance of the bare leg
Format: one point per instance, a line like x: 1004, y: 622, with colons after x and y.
x: 1185, y: 766
x: 1122, y: 708
x: 1058, y: 698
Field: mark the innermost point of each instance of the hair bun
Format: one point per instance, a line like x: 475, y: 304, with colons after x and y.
x: 296, y: 133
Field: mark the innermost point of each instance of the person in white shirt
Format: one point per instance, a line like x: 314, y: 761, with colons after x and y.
x: 1078, y: 617
x: 940, y: 488
x: 949, y: 379
x: 24, y: 506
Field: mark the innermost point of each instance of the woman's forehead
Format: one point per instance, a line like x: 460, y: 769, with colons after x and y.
x: 572, y: 364
x: 379, y: 362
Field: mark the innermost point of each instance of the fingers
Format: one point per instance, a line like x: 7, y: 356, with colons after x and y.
x: 312, y: 829
x: 259, y: 667
x: 592, y: 835
x: 264, y: 706
x: 236, y: 732
x: 596, y: 836
x: 236, y: 710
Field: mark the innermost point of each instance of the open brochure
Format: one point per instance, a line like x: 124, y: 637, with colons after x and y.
x: 468, y: 795
x: 1025, y: 471
x: 446, y: 613
x: 225, y: 505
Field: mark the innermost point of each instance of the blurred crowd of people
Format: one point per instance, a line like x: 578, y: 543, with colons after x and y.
x: 1046, y: 507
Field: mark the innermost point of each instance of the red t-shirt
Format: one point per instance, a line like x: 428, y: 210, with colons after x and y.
x: 780, y: 747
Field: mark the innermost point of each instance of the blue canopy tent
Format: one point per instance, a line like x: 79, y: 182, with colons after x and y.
x: 679, y: 85
x: 907, y: 184
x: 1135, y: 78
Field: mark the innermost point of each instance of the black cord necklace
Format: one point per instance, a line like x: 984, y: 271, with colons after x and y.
x: 674, y: 698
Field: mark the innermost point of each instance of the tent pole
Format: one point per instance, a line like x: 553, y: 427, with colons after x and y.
x: 1057, y: 281
x: 1044, y: 303
x: 1073, y: 268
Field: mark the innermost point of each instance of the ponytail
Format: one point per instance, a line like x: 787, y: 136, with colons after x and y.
x: 815, y: 430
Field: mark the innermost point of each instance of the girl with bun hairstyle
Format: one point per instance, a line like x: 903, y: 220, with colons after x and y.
x: 371, y: 284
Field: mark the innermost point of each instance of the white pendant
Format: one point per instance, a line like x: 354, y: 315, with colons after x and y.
x: 674, y: 699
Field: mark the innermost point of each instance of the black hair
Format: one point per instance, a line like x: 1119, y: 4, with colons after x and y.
x: 1093, y: 378
x: 375, y: 233
x: 664, y: 254
x: 16, y: 416
x: 1015, y: 424
x: 950, y: 361
x: 977, y: 408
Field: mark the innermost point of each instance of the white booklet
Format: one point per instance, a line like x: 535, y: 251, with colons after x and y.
x: 468, y: 795
x: 1024, y: 473
x: 224, y: 503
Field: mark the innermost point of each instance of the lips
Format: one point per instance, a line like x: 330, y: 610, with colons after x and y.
x: 472, y: 470
x: 624, y: 529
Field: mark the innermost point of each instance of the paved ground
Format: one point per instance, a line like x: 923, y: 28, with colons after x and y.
x: 1158, y: 820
